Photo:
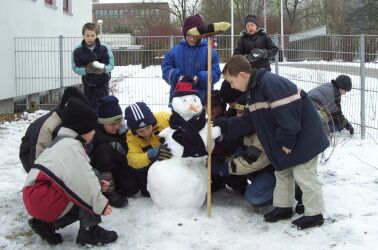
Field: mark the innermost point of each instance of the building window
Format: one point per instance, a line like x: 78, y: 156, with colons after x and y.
x: 66, y: 5
x: 51, y: 3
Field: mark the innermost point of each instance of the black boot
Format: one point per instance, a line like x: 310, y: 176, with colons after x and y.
x: 279, y: 213
x: 299, y: 208
x: 308, y: 221
x: 115, y: 199
x: 95, y: 235
x: 46, y: 231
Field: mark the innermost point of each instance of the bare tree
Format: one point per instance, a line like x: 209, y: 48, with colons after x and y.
x: 180, y: 9
x: 216, y: 10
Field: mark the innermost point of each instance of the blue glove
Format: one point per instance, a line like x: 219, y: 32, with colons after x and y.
x: 152, y: 153
x: 159, y: 153
x: 219, y: 168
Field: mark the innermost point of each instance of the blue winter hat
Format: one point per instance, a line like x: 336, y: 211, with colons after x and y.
x: 139, y: 115
x: 109, y: 110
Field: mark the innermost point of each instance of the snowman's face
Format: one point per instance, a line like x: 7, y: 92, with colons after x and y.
x: 187, y: 106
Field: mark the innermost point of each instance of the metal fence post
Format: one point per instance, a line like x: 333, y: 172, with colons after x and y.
x: 61, y: 61
x: 277, y: 57
x: 171, y: 41
x: 362, y: 76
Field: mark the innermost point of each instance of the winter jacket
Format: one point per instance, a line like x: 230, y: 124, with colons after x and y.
x: 38, y: 136
x: 82, y: 56
x: 138, y: 146
x: 259, y: 40
x: 327, y: 96
x: 252, y: 160
x: 282, y: 115
x: 62, y: 177
x: 190, y: 61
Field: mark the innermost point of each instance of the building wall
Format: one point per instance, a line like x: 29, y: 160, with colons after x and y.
x: 33, y: 18
x: 132, y: 16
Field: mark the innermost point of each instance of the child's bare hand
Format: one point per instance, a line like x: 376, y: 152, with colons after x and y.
x: 286, y: 150
x: 108, y: 210
x: 104, y: 185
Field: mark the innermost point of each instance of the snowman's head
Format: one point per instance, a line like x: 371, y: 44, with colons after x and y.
x: 186, y: 101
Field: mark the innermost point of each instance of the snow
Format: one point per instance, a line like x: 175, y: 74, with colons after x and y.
x: 350, y: 185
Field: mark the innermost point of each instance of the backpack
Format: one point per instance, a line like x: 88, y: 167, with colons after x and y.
x: 29, y: 142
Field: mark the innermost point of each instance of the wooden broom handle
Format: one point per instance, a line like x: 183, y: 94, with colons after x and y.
x: 209, y: 54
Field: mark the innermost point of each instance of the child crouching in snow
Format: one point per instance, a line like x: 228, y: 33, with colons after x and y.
x: 290, y: 132
x: 62, y: 187
x: 143, y: 140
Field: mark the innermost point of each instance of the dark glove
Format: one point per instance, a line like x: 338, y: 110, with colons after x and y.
x: 222, y: 123
x: 219, y: 168
x: 159, y: 153
x: 257, y: 54
x: 190, y: 79
x: 350, y: 128
x: 91, y: 69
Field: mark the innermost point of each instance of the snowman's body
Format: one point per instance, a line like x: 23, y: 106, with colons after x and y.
x: 181, y: 182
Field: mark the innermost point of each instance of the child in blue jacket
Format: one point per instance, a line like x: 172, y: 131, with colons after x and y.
x: 290, y: 131
x: 189, y: 59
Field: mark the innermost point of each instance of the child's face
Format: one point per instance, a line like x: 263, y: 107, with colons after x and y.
x: 251, y: 27
x: 239, y: 82
x: 191, y: 40
x: 88, y: 137
x: 215, y: 112
x: 90, y: 37
x: 342, y: 91
x: 113, y: 127
x: 144, y: 132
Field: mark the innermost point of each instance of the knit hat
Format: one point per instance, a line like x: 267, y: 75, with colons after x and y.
x: 251, y: 19
x: 216, y: 100
x: 139, y: 115
x: 79, y: 116
x: 191, y: 22
x: 109, y: 110
x: 241, y: 102
x: 184, y: 88
x: 229, y: 94
x: 71, y: 92
x: 343, y: 82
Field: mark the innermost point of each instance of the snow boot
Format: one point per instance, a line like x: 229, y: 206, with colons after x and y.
x: 116, y: 200
x: 299, y: 208
x: 279, y: 213
x: 46, y: 231
x: 308, y: 221
x: 95, y: 235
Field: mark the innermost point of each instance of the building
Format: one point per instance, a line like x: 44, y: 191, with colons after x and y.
x: 131, y: 17
x: 25, y: 24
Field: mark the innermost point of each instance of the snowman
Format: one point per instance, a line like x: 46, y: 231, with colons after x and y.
x: 181, y: 182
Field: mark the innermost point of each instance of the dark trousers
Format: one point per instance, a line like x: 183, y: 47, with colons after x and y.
x: 142, y: 181
x: 77, y: 214
x: 94, y: 93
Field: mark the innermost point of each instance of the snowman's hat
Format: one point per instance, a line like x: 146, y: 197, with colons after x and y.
x: 184, y: 88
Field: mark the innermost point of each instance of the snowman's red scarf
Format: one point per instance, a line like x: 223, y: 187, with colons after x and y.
x: 187, y: 134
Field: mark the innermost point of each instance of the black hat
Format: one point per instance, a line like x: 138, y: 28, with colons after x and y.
x: 343, y: 82
x: 139, y: 115
x: 251, y: 19
x: 71, y: 92
x: 229, y: 94
x: 184, y: 88
x: 109, y: 110
x: 79, y: 116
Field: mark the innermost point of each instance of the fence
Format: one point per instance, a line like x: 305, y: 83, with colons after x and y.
x: 43, y: 68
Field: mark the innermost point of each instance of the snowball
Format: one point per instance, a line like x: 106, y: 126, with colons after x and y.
x: 98, y: 65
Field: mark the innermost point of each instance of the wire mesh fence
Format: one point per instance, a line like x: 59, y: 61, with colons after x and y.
x: 43, y: 69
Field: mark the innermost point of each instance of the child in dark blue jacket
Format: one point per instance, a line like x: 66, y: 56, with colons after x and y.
x: 189, y: 59
x: 290, y: 132
x: 93, y: 61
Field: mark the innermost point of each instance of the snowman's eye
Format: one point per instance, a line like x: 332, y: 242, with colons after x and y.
x: 195, y: 100
x: 184, y: 100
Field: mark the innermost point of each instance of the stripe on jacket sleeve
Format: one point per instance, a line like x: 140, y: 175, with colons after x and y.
x: 275, y: 104
x: 69, y: 192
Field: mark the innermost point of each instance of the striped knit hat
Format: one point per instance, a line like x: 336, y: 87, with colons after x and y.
x: 138, y: 115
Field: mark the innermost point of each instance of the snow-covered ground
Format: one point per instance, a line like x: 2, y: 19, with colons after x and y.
x: 350, y: 184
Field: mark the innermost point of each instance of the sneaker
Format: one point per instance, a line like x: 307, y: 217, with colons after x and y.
x: 308, y: 221
x: 46, y: 231
x: 279, y: 213
x: 299, y: 208
x: 95, y: 235
x: 116, y: 200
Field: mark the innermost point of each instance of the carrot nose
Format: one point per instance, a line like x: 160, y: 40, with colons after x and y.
x: 193, y: 108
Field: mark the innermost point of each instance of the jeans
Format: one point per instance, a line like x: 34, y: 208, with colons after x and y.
x: 260, y: 191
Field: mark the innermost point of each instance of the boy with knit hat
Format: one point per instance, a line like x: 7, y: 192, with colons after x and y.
x: 62, y: 187
x: 109, y: 153
x: 145, y: 145
x: 188, y: 59
x: 255, y: 44
x: 327, y: 99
